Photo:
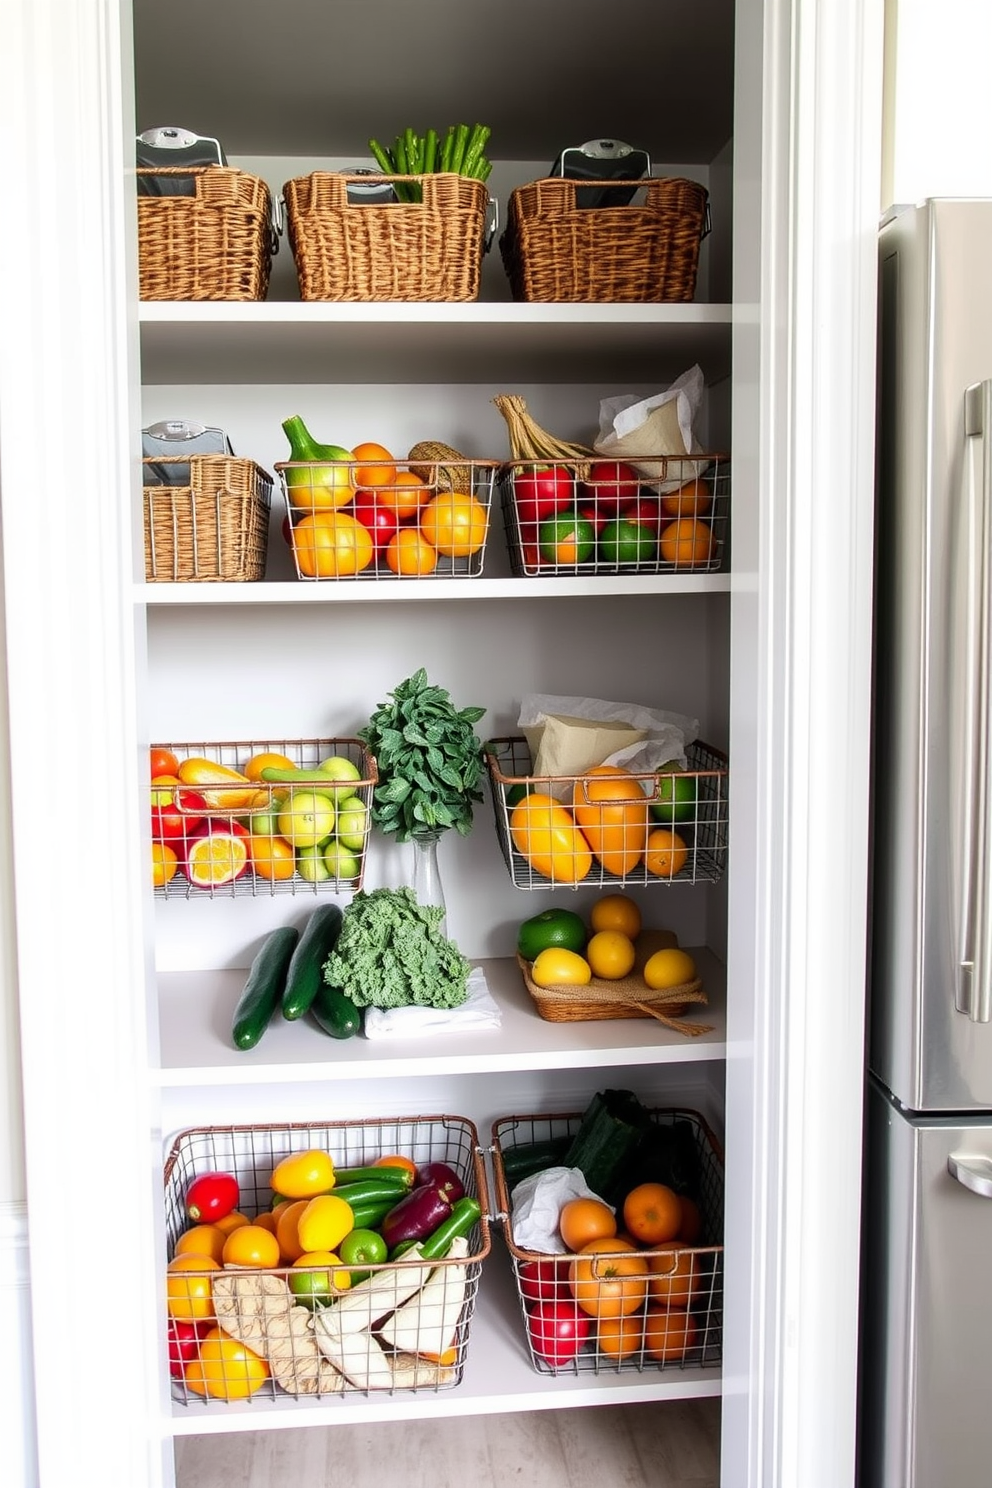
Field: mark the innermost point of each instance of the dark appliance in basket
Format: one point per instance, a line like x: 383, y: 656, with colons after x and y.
x: 603, y: 160
x: 168, y: 148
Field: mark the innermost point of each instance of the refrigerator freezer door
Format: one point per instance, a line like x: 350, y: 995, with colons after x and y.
x: 926, y: 1411
x: 931, y: 1038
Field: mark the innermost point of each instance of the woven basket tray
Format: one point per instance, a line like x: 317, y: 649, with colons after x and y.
x: 426, y: 250
x: 216, y: 245
x: 626, y: 997
x: 214, y: 529
x: 553, y: 250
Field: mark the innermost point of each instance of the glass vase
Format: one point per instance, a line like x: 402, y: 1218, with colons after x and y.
x: 427, y: 886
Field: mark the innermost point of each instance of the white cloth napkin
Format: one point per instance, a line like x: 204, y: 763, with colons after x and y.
x: 479, y: 1010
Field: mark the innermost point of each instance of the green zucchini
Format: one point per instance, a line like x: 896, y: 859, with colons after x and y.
x: 305, y: 975
x: 263, y: 986
x: 369, y: 1191
x: 335, y: 1012
x: 400, y: 1179
x: 532, y: 1157
x: 369, y: 1216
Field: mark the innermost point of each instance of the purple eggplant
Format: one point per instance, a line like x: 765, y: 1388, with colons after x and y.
x: 446, y: 1179
x: 416, y: 1215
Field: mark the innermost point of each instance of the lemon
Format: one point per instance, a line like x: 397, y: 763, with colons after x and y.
x: 611, y: 954
x: 555, y: 965
x: 669, y: 968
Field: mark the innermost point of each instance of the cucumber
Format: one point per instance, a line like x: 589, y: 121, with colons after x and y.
x: 368, y: 1191
x: 401, y: 1179
x: 532, y: 1157
x: 263, y: 987
x: 305, y: 976
x: 335, y: 1012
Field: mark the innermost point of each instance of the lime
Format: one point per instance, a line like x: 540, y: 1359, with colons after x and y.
x: 566, y: 538
x: 552, y: 927
x: 675, y: 799
x: 626, y: 542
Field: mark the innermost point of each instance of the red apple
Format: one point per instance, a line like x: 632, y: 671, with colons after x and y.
x: 541, y: 490
x: 612, y: 484
x: 380, y: 520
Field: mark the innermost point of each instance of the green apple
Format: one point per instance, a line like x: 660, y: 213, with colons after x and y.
x: 306, y: 818
x: 340, y: 863
x: 336, y: 767
x: 350, y: 827
x: 311, y: 866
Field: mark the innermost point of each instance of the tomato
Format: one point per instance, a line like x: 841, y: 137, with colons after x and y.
x: 381, y: 520
x: 541, y: 490
x: 163, y: 761
x: 178, y: 817
x: 612, y: 485
x: 557, y: 1331
x: 609, y: 1278
x: 544, y: 1281
x: 184, y: 1339
x: 212, y: 1196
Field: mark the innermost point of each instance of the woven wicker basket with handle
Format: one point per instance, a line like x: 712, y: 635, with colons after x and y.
x: 214, y: 245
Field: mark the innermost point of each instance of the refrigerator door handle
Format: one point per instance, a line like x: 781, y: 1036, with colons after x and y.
x: 974, y: 1173
x: 974, y: 991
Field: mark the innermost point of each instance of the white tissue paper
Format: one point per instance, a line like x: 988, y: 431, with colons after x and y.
x: 537, y: 1203
x: 479, y: 1010
x: 632, y: 429
x: 664, y: 735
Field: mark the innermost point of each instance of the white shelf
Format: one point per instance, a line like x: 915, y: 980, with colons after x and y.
x: 195, y: 1045
x: 272, y: 342
x: 498, y: 1377
x: 378, y: 591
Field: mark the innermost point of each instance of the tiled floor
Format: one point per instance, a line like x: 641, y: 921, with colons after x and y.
x: 670, y: 1445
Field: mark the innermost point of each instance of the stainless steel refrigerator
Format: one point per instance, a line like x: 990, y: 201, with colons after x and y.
x: 926, y: 1382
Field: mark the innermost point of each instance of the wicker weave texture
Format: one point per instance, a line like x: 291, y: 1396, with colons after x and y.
x: 427, y: 250
x: 553, y: 250
x: 213, y: 530
x: 216, y: 245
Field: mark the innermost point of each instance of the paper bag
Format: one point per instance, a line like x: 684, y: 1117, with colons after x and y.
x: 631, y: 429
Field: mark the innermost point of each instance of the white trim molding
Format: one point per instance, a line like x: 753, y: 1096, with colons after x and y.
x: 17, y: 1418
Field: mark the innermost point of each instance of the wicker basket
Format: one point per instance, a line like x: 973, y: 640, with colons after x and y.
x: 627, y: 997
x: 214, y: 245
x: 553, y: 250
x: 259, y: 1306
x: 213, y: 530
x: 426, y: 250
x: 699, y: 1344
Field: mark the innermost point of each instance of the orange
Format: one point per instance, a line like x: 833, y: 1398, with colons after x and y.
x: 616, y: 912
x: 287, y: 1234
x: 251, y: 1245
x: 375, y: 466
x: 190, y: 1297
x: 272, y: 857
x: 582, y: 1220
x: 669, y: 967
x: 268, y: 759
x: 231, y: 1221
x: 620, y: 1337
x: 203, y: 1239
x: 652, y: 1213
x: 694, y: 499
x: 665, y: 852
x: 668, y: 1336
x: 163, y: 761
x: 692, y: 1221
x: 545, y: 833
x: 557, y: 966
x: 225, y: 1369
x: 165, y: 864
x: 406, y: 493
x: 611, y: 808
x: 686, y: 542
x: 611, y: 954
x: 217, y: 858
x: 454, y: 523
x: 675, y: 1277
x: 608, y: 1285
x: 409, y: 552
x: 266, y: 1220
x: 332, y: 545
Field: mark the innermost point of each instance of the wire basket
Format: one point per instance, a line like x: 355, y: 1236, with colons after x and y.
x: 669, y: 515
x: 666, y: 827
x: 415, y: 522
x: 213, y: 528
x: 261, y: 1310
x: 425, y: 250
x: 554, y: 250
x: 216, y: 837
x: 215, y: 244
x: 678, y: 1324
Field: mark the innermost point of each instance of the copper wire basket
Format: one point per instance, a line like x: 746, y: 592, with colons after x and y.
x: 647, y: 251
x: 214, y: 245
x: 692, y: 849
x: 262, y: 1311
x: 679, y: 1323
x: 214, y: 528
x: 249, y: 855
x: 425, y: 250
